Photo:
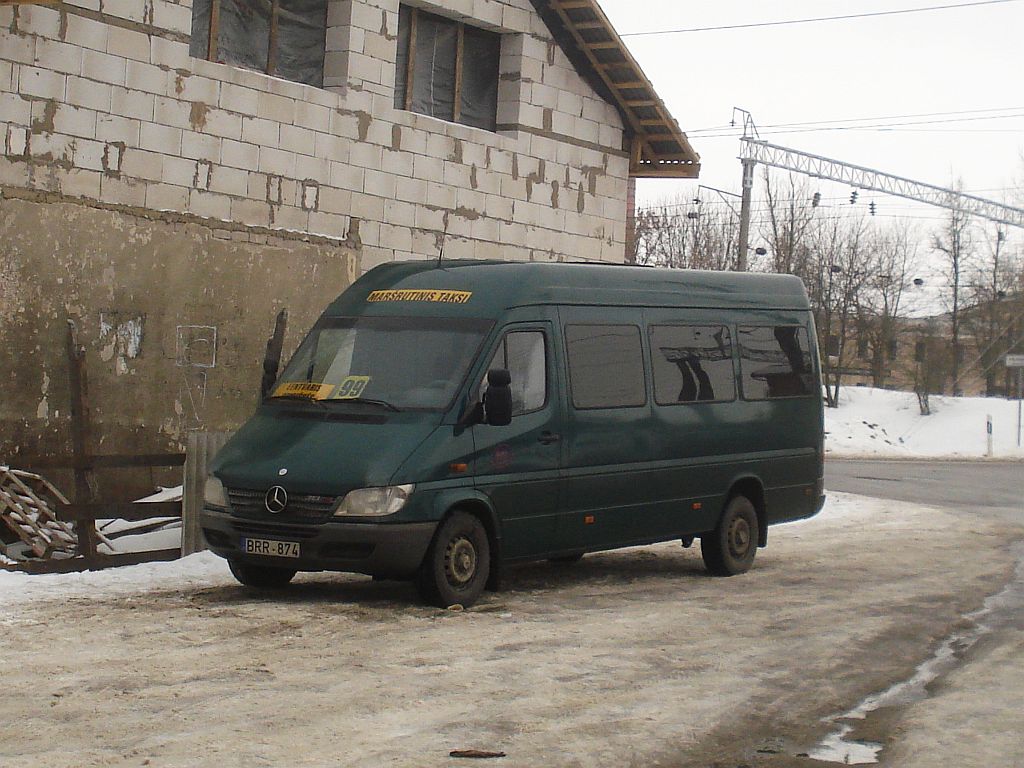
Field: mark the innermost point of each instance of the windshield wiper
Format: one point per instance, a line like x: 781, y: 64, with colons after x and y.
x: 301, y: 399
x: 367, y: 401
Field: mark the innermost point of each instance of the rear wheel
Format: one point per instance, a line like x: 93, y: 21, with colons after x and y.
x: 730, y: 548
x: 261, y: 576
x: 457, y: 564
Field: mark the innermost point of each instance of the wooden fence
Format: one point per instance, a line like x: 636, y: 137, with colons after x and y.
x: 86, y: 508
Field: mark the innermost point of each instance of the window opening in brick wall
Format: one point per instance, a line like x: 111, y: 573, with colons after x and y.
x: 894, y: 349
x: 447, y: 69
x: 284, y: 38
x: 863, y: 348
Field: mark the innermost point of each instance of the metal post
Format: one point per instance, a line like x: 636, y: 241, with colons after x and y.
x: 85, y: 481
x: 1020, y: 397
x: 988, y: 430
x: 748, y: 186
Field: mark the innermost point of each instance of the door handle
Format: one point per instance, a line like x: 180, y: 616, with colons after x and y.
x: 548, y: 438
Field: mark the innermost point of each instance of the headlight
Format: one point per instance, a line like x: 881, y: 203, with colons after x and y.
x: 374, y: 502
x: 214, y: 493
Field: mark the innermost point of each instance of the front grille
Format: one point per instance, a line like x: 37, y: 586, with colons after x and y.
x: 248, y: 503
x: 261, y: 530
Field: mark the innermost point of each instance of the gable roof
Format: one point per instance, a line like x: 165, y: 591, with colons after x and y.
x: 660, y: 149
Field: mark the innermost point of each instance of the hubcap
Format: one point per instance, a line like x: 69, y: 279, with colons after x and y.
x: 739, y: 538
x: 460, y: 561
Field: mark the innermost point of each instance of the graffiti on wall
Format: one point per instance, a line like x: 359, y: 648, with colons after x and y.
x: 121, y: 335
x: 195, y: 356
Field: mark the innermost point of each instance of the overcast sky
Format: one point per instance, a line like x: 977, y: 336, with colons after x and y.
x: 908, y: 68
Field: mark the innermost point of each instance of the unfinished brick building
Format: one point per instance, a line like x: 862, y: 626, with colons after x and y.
x: 173, y: 175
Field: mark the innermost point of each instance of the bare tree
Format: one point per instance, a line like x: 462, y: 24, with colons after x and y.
x: 990, y: 295
x: 661, y: 234
x: 682, y: 234
x: 956, y: 243
x: 843, y: 263
x: 931, y: 362
x: 879, y: 304
x: 790, y: 223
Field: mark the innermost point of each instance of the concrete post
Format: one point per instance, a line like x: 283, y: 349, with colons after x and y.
x: 748, y: 187
x: 202, y: 447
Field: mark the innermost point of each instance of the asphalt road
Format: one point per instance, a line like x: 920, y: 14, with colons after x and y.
x: 967, y: 713
x: 989, y: 488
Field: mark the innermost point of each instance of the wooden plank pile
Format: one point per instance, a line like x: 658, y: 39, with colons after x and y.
x: 27, y: 515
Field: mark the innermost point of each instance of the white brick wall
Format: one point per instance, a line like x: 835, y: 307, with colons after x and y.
x: 130, y: 118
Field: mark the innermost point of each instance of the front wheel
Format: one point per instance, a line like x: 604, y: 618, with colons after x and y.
x: 457, y: 564
x: 730, y: 548
x: 261, y: 576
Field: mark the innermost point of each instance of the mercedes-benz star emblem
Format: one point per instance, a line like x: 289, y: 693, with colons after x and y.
x: 276, y: 500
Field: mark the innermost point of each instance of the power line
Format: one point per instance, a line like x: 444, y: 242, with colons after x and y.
x: 813, y: 20
x: 893, y: 117
x: 829, y: 125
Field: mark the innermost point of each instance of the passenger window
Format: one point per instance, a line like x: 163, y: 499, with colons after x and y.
x: 523, y: 355
x: 606, y: 367
x: 775, y: 362
x: 692, y: 363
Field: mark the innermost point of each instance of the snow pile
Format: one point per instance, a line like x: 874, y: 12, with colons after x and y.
x: 204, y: 569
x: 163, y: 494
x: 879, y: 422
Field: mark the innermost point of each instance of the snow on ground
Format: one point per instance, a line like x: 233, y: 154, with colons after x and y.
x: 880, y: 422
x: 200, y: 570
x: 206, y: 569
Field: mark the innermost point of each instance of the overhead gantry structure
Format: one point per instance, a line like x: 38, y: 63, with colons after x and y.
x: 754, y: 150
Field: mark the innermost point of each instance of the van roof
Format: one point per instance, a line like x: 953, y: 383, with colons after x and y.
x: 488, y: 288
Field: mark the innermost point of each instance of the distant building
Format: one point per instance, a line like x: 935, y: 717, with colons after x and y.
x: 919, y: 353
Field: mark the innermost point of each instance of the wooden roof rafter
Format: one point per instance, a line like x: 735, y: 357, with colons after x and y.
x: 659, y: 147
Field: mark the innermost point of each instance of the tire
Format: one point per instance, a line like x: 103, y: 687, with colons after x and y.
x: 566, y: 559
x: 457, y: 564
x: 730, y: 548
x: 261, y: 576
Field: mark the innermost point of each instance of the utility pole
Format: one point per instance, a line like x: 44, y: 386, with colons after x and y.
x: 748, y: 186
x: 749, y: 132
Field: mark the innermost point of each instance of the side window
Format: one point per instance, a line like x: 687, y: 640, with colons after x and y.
x: 692, y: 363
x: 775, y: 362
x: 523, y: 355
x: 606, y: 368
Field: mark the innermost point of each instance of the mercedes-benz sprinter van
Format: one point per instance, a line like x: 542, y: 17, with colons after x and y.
x: 442, y: 420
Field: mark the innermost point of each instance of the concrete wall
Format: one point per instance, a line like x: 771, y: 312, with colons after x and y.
x: 174, y: 314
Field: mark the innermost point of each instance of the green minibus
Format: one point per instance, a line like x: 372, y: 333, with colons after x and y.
x: 445, y: 419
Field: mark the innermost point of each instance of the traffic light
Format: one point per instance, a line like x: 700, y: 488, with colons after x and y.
x: 853, y: 197
x: 871, y: 207
x: 816, y: 200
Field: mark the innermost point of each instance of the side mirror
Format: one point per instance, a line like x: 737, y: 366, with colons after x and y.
x: 272, y: 359
x: 498, y: 398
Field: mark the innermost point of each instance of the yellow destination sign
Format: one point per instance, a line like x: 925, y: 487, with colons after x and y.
x: 437, y: 297
x: 309, y: 389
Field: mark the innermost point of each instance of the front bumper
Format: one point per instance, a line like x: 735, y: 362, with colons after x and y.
x: 391, y: 550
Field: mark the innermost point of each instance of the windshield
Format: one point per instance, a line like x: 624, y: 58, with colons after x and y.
x: 401, y: 362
